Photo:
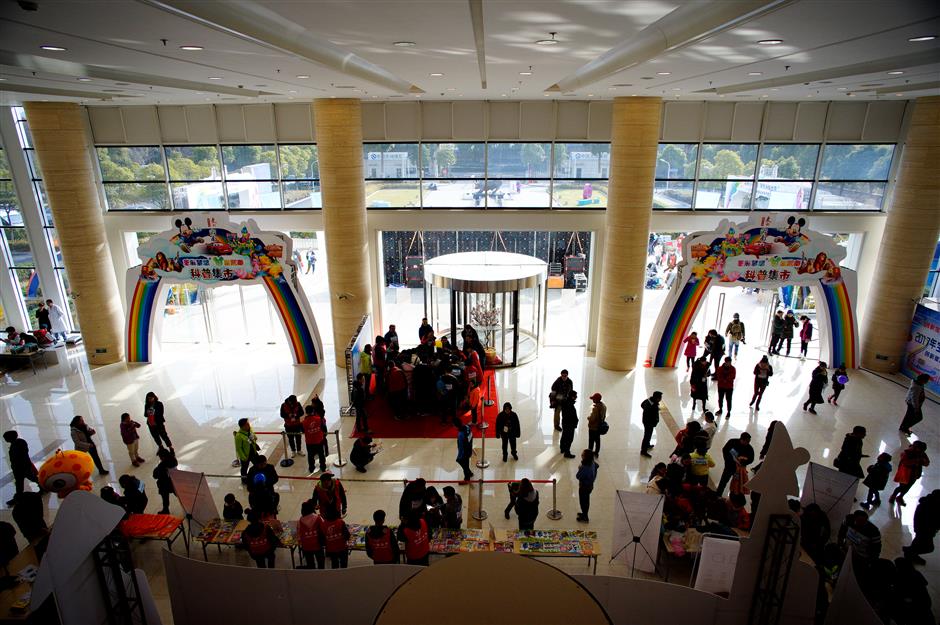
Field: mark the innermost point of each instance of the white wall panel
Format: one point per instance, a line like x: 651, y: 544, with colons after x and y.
x: 469, y: 123
x: 846, y: 121
x: 504, y: 121
x: 682, y: 121
x: 173, y: 124
x: 107, y: 125
x: 811, y: 121
x: 259, y: 123
x: 719, y: 119
x: 231, y: 123
x: 373, y: 121
x: 294, y: 122
x: 537, y: 121
x: 883, y: 122
x: 141, y: 126
x: 599, y: 123
x: 748, y: 121
x: 572, y: 120
x: 200, y: 121
x: 436, y: 120
x: 781, y: 121
x: 402, y: 121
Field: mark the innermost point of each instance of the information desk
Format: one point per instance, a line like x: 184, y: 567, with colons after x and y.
x: 549, y: 544
x: 165, y: 527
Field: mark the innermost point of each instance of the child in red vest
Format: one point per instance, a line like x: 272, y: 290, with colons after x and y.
x: 416, y: 536
x: 309, y: 529
x: 314, y: 425
x: 260, y: 541
x: 335, y: 535
x: 381, y: 544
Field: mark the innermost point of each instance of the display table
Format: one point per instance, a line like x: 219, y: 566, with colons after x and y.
x: 549, y: 544
x: 229, y: 534
x: 449, y: 542
x: 14, y: 602
x: 165, y: 527
x: 21, y: 358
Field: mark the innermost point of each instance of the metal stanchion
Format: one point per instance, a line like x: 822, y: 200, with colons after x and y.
x: 339, y: 462
x: 489, y: 397
x: 285, y: 461
x: 482, y: 463
x: 554, y: 514
x: 480, y: 514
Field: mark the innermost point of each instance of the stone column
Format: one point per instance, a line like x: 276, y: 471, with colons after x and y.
x: 63, y: 147
x: 339, y: 151
x: 908, y: 243
x: 633, y: 144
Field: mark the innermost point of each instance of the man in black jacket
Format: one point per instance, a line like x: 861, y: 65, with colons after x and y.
x: 562, y: 387
x: 508, y: 429
x: 569, y: 421
x: 650, y: 407
x: 20, y: 463
x: 736, y: 452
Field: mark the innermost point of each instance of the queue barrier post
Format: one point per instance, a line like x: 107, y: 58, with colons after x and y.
x: 480, y: 514
x: 554, y: 514
x: 482, y: 463
x: 285, y: 461
x: 339, y: 462
x: 489, y: 398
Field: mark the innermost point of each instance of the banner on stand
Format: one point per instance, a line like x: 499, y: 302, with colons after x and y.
x: 638, y: 519
x: 831, y: 490
x: 359, y: 340
x: 192, y: 490
x: 716, y: 564
x: 923, y: 347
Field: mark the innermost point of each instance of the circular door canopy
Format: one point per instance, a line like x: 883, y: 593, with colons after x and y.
x: 485, y: 272
x: 528, y: 591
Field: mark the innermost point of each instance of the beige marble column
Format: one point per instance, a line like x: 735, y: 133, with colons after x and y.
x: 62, y: 143
x: 339, y: 151
x: 633, y: 142
x: 908, y: 244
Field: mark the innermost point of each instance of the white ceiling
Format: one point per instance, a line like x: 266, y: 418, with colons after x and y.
x: 125, y: 36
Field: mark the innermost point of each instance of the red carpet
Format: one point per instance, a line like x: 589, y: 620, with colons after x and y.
x: 384, y: 425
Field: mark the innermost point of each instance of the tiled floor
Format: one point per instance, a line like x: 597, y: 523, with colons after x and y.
x: 207, y: 388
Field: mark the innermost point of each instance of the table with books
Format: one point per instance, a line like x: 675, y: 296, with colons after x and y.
x: 464, y: 540
x: 165, y: 527
x: 549, y: 543
x: 221, y: 533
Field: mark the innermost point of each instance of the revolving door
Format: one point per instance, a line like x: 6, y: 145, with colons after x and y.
x: 501, y: 295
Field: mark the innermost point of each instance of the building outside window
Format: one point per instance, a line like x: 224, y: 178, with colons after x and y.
x: 853, y: 177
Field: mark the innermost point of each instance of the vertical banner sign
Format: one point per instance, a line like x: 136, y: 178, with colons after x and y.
x: 923, y: 347
x: 362, y: 338
x: 638, y: 520
x: 716, y: 565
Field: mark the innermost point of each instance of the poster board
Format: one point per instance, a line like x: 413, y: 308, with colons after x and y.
x: 637, y: 523
x: 360, y: 339
x: 922, y: 354
x: 831, y: 490
x: 716, y: 564
x: 194, y: 494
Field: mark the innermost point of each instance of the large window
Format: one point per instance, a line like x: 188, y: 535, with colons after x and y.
x: 785, y: 177
x: 134, y: 178
x: 580, y: 175
x: 675, y: 175
x: 15, y: 244
x: 853, y: 177
x: 392, y: 172
x: 726, y: 176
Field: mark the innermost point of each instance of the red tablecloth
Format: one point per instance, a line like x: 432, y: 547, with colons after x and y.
x: 150, y: 525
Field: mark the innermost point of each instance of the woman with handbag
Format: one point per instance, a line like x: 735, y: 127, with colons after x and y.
x: 81, y: 436
x: 597, y: 421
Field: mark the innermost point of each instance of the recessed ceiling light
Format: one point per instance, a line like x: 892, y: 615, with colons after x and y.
x: 404, y: 44
x: 417, y: 95
x: 770, y: 42
x: 375, y: 97
x: 590, y: 95
x: 215, y: 78
x: 544, y: 94
x: 525, y: 73
x: 765, y: 96
x: 774, y: 89
x: 721, y: 95
x: 851, y: 95
x: 53, y: 48
x: 191, y: 48
x: 842, y: 88
x: 291, y: 91
x: 435, y: 74
x: 451, y: 89
x: 4, y: 80
x: 922, y: 38
x: 503, y: 94
x: 754, y: 73
x: 899, y: 95
x: 84, y: 80
x: 663, y: 73
x: 548, y: 42
x: 302, y: 76
x: 896, y: 72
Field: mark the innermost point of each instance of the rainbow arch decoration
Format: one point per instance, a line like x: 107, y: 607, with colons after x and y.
x: 212, y: 251
x: 766, y: 251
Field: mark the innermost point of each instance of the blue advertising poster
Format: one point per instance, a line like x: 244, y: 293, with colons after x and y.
x: 923, y: 347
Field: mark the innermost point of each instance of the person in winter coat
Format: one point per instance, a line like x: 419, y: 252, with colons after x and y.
x: 81, y: 436
x: 318, y: 447
x: 789, y: 323
x: 910, y: 468
x: 776, y: 333
x: 260, y: 541
x: 310, y: 536
x: 715, y: 348
x: 464, y: 449
x: 417, y: 538
x: 762, y: 373
x: 569, y: 421
x: 527, y: 505
x: 335, y: 536
x: 926, y: 526
x: 876, y: 480
x: 561, y: 388
x: 292, y: 412
x: 914, y: 402
x: 725, y: 375
x: 737, y: 452
x: 381, y: 544
x: 162, y: 475
x: 246, y: 446
x: 42, y: 317
x: 850, y: 456
x: 586, y: 476
x: 691, y: 349
x: 838, y: 385
x: 735, y: 334
x: 21, y: 465
x: 698, y: 382
x: 595, y: 419
x: 816, y: 385
x: 806, y: 335
x: 362, y: 453
x: 131, y: 438
x: 650, y: 408
x: 508, y: 430
x: 135, y: 497
x: 156, y: 422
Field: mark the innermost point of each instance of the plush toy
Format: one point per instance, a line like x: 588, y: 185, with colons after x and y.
x: 66, y: 471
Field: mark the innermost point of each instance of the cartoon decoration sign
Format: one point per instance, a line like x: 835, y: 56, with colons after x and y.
x: 767, y: 251
x: 210, y: 250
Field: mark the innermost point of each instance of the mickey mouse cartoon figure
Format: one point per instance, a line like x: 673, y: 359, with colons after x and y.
x: 187, y: 237
x: 793, y: 236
